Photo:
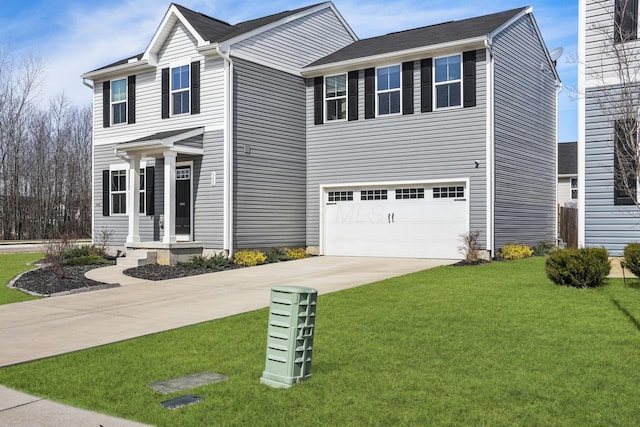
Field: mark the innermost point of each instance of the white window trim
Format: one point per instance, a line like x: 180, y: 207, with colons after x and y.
x: 125, y: 167
x: 436, y: 84
x: 399, y: 89
x: 125, y: 102
x: 333, y: 98
x: 171, y: 91
x: 572, y: 188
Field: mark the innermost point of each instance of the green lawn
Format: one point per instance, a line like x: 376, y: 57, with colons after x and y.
x: 10, y: 266
x: 495, y: 345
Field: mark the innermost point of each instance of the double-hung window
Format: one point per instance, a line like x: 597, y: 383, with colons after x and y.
x: 388, y: 90
x: 118, y: 191
x: 448, y: 81
x: 574, y: 188
x: 119, y: 101
x: 336, y: 97
x: 180, y: 90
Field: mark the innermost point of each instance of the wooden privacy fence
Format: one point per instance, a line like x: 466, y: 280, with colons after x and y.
x: 568, y: 226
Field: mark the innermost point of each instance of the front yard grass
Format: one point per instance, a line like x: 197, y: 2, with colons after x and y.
x: 10, y: 266
x: 495, y: 344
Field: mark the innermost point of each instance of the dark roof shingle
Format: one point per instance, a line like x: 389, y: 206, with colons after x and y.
x: 421, y: 37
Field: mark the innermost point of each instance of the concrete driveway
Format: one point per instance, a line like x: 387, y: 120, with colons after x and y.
x: 51, y: 326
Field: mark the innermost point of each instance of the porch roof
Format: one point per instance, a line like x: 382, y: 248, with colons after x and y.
x: 181, y: 141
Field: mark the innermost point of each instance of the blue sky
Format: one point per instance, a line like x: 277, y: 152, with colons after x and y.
x: 74, y: 36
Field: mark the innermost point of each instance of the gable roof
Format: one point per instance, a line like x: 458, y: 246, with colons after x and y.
x: 431, y: 35
x: 568, y: 158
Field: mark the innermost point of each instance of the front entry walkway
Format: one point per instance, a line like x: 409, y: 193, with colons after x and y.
x: 51, y: 326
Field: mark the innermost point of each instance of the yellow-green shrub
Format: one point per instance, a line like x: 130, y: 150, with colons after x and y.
x: 512, y: 251
x: 249, y: 258
x: 297, y: 253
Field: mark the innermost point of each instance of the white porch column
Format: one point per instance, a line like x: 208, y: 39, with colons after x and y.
x: 169, y: 197
x: 133, y: 198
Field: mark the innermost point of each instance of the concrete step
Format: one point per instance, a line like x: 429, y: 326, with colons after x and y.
x: 137, y: 257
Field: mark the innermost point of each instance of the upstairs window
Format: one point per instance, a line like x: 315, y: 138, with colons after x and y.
x: 574, y: 188
x: 336, y: 97
x: 626, y: 20
x: 388, y: 90
x: 180, y: 90
x: 119, y: 101
x: 448, y: 81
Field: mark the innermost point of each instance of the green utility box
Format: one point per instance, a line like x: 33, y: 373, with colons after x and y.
x: 292, y: 316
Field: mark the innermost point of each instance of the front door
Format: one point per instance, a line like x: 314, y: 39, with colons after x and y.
x: 183, y: 202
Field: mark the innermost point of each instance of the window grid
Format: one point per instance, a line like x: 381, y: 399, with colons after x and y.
x: 388, y: 92
x: 340, y: 196
x: 180, y: 88
x: 118, y: 191
x: 336, y: 97
x: 448, y: 81
x: 183, y: 173
x: 373, y: 195
x: 409, y: 193
x: 448, y: 192
x: 119, y: 101
x: 574, y: 188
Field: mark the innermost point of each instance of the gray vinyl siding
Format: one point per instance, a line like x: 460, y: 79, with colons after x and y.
x: 119, y: 224
x: 423, y: 146
x: 296, y: 43
x: 269, y: 181
x: 525, y: 138
x: 606, y: 225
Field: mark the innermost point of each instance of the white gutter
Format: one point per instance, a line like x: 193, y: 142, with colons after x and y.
x: 490, y: 148
x: 228, y: 150
x: 133, y: 65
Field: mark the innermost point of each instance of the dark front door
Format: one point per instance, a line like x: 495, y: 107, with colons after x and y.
x: 183, y: 200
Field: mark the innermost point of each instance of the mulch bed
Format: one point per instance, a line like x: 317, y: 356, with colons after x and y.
x: 43, y: 281
x: 164, y: 272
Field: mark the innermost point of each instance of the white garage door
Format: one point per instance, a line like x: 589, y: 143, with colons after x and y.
x: 419, y: 221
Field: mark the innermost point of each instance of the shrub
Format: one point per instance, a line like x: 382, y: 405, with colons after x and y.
x: 54, y: 253
x: 277, y: 254
x: 84, y: 251
x: 578, y: 268
x: 297, y: 253
x: 511, y: 251
x: 632, y: 258
x: 214, y: 262
x: 248, y: 258
x: 85, y: 260
x: 543, y: 248
x: 469, y: 246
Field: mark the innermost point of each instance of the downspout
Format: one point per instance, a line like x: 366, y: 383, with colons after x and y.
x: 228, y: 151
x: 93, y: 166
x: 558, y: 90
x: 490, y: 149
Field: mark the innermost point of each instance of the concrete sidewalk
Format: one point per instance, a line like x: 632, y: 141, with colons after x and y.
x: 140, y: 307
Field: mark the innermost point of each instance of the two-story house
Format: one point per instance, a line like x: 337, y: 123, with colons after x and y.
x: 608, y: 116
x: 288, y: 130
x: 200, y: 141
x: 417, y: 137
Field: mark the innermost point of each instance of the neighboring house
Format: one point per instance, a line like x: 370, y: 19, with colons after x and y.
x: 418, y: 137
x: 568, y: 174
x: 288, y: 131
x: 200, y: 140
x: 608, y: 216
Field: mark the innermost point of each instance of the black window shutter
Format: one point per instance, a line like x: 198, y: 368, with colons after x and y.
x: 318, y: 88
x: 352, y: 97
x: 165, y: 93
x: 407, y: 87
x: 426, y: 85
x: 106, y: 104
x: 369, y: 93
x: 626, y: 20
x: 469, y: 78
x: 149, y: 187
x: 131, y: 99
x: 106, y: 182
x: 624, y: 161
x: 195, y: 87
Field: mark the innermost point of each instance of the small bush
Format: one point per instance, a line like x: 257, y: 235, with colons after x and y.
x: 86, y: 260
x: 277, y: 254
x: 248, y: 258
x: 632, y: 258
x: 511, y: 251
x: 297, y: 253
x: 54, y: 252
x: 543, y: 248
x: 84, y: 251
x: 578, y: 268
x: 469, y: 246
x: 214, y: 262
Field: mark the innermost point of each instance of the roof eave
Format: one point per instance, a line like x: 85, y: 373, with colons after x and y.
x: 132, y: 66
x: 407, y: 54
